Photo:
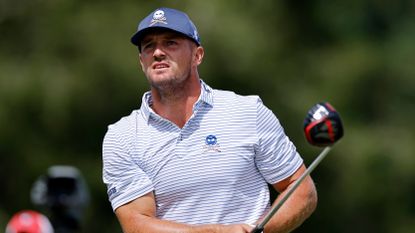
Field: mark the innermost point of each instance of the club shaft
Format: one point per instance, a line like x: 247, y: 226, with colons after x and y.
x: 260, y: 226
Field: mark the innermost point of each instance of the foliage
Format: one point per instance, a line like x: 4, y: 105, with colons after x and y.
x: 68, y: 70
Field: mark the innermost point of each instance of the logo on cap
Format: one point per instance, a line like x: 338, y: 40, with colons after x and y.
x: 195, y: 35
x: 158, y: 17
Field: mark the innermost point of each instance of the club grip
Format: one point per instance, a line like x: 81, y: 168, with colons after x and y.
x: 257, y: 229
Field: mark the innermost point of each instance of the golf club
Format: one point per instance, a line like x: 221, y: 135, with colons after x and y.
x: 322, y: 127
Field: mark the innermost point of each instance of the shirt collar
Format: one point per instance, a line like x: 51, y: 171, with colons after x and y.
x: 145, y: 108
x: 206, y: 96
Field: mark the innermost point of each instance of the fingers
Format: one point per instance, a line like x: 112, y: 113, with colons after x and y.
x: 237, y: 228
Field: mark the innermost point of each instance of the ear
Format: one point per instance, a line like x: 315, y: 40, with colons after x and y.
x: 199, y: 53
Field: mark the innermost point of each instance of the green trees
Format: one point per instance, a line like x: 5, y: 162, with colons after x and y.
x: 68, y: 70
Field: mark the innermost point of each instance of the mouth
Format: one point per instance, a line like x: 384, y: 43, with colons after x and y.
x: 159, y: 66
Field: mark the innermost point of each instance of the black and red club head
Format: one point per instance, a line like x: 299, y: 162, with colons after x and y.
x: 322, y: 125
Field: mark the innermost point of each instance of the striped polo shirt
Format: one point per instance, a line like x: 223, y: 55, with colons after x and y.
x: 213, y: 170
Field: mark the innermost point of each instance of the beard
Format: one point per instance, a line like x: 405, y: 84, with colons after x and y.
x: 171, y: 86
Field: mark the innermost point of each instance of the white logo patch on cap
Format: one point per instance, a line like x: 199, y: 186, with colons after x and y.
x: 158, y: 17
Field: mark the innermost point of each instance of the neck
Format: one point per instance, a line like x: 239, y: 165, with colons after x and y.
x: 176, y: 103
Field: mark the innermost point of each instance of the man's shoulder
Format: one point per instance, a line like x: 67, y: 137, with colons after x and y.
x: 126, y: 123
x: 230, y: 97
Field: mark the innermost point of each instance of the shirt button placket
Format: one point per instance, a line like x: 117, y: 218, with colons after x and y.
x: 179, y: 146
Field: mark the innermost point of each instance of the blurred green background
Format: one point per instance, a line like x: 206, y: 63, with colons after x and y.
x: 68, y: 70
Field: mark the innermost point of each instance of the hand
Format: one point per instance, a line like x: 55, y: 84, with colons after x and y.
x: 256, y: 230
x: 236, y: 228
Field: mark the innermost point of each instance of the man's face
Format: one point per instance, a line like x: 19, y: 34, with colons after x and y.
x: 167, y: 58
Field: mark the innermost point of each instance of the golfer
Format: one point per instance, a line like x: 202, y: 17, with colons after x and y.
x: 193, y: 158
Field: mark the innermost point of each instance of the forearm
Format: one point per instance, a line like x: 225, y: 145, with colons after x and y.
x: 144, y: 224
x: 298, y: 207
x: 138, y: 216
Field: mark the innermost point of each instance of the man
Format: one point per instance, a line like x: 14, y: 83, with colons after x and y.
x: 193, y: 158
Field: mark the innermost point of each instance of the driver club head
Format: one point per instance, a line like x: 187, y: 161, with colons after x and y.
x: 323, y: 125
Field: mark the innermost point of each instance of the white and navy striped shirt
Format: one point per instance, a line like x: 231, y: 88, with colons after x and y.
x: 213, y: 170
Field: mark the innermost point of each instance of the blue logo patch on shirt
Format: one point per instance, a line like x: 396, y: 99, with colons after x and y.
x: 211, y: 140
x: 211, y: 144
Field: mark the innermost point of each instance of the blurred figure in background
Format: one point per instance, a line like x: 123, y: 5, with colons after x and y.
x: 29, y: 221
x: 64, y: 195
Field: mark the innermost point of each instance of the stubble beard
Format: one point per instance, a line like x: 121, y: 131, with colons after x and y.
x: 171, y: 87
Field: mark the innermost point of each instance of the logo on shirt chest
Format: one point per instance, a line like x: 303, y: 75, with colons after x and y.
x: 211, y: 144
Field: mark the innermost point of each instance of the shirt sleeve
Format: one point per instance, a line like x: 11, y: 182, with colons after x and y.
x: 276, y: 156
x: 124, y: 179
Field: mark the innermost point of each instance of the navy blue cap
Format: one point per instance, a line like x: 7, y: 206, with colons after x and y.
x: 169, y: 19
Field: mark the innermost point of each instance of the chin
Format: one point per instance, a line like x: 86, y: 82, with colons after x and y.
x: 161, y: 81
x: 161, y: 78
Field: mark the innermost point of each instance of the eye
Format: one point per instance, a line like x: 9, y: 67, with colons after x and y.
x: 171, y: 42
x: 147, y: 46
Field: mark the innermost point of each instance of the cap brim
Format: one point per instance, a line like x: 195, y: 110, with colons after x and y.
x: 135, y: 39
x: 138, y: 36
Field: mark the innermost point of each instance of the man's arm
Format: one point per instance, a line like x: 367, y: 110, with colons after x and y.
x: 299, y: 206
x: 138, y: 216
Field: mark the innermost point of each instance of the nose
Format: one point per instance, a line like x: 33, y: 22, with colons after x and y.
x: 158, y: 53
